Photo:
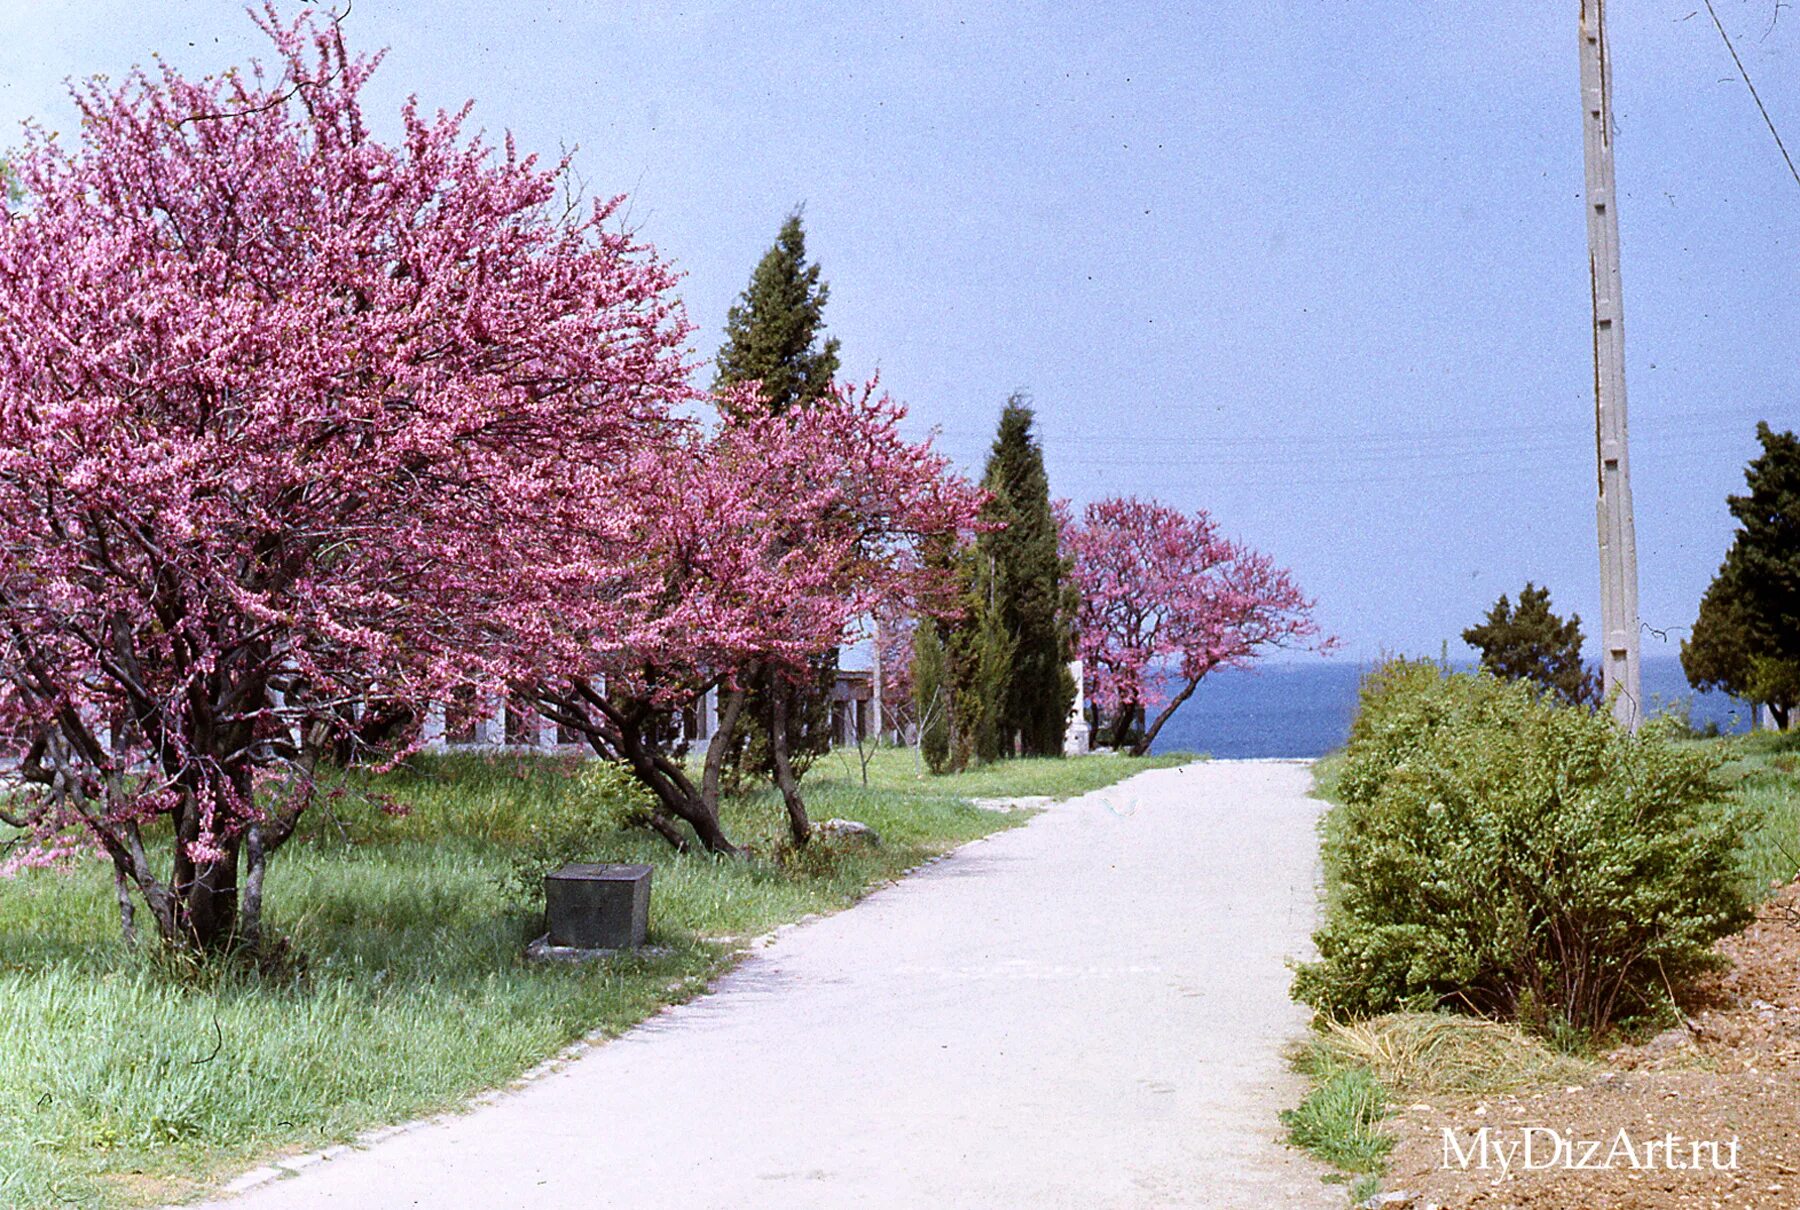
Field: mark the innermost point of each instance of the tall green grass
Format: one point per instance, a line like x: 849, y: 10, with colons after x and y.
x: 1763, y: 770
x: 125, y: 1080
x: 1340, y: 1121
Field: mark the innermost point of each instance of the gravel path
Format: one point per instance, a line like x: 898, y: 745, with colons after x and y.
x: 1088, y: 1011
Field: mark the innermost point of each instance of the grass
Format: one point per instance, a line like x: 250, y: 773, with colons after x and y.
x: 1340, y: 1121
x: 125, y: 1080
x: 1356, y: 1067
x: 896, y: 769
x: 1421, y: 1054
x: 1763, y: 769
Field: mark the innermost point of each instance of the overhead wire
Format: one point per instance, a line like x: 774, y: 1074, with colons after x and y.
x: 1754, y: 95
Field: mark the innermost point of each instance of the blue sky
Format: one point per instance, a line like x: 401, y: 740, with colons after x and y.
x: 1317, y: 267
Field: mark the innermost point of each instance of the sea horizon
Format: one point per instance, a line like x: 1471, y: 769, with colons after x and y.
x: 1303, y: 708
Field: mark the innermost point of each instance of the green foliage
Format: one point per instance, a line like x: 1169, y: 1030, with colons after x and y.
x: 1032, y: 591
x: 1716, y: 655
x: 931, y: 695
x: 1746, y: 640
x: 981, y: 659
x: 1766, y: 548
x: 602, y: 799
x: 772, y: 333
x: 1532, y: 643
x: 1497, y: 852
x: 1340, y: 1121
x: 1763, y: 771
x: 1008, y: 650
x: 809, y: 723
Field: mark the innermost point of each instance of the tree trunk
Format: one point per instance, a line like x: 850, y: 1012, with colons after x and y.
x: 51, y: 761
x: 211, y: 902
x: 127, y: 909
x: 1128, y: 712
x: 674, y: 790
x: 1143, y: 745
x: 719, y: 746
x: 799, y: 827
x: 128, y: 846
x: 665, y: 827
x: 206, y: 892
x: 256, y: 862
x: 1780, y: 716
x: 615, y: 731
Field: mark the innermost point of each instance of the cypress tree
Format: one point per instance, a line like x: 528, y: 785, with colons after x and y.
x: 774, y: 335
x: 982, y: 655
x: 931, y: 696
x: 1031, y: 590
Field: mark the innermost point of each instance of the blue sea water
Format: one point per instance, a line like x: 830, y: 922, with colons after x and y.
x: 1304, y: 709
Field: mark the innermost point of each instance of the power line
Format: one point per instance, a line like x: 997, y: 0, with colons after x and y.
x: 1673, y: 424
x: 1754, y: 95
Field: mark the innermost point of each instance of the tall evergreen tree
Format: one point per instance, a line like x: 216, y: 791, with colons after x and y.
x: 1032, y: 597
x: 774, y: 335
x: 1727, y: 651
x: 1747, y: 638
x: 931, y: 695
x: 982, y: 659
x: 1766, y: 548
x: 774, y: 332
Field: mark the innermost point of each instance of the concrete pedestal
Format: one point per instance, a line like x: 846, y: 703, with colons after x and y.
x: 597, y: 906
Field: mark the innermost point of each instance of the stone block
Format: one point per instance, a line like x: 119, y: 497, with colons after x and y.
x: 595, y: 907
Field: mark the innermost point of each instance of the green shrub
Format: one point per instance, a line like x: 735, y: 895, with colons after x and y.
x: 1501, y: 854
x: 601, y: 800
x: 1676, y: 721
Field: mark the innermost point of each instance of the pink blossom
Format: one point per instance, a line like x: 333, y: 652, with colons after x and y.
x: 1165, y: 599
x: 294, y: 424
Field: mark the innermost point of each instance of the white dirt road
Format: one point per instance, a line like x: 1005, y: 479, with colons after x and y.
x: 1089, y: 1011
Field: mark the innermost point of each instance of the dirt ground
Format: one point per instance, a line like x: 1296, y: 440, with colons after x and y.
x: 1660, y: 1121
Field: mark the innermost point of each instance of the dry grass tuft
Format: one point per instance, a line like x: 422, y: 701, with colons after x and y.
x: 1422, y: 1053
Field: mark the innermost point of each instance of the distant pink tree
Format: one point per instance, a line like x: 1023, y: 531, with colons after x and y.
x: 292, y: 422
x: 766, y: 539
x: 1165, y: 600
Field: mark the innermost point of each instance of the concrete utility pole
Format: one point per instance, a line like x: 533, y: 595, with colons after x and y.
x: 1618, y: 533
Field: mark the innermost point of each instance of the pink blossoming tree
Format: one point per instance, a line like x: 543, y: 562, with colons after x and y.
x: 1165, y: 600
x: 765, y: 540
x: 291, y: 419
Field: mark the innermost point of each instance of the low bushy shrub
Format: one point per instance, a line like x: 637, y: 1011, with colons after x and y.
x: 601, y: 800
x: 1496, y: 852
